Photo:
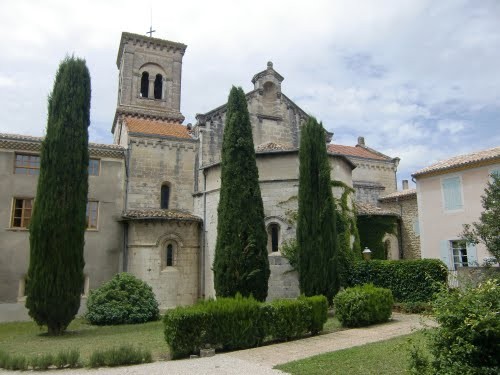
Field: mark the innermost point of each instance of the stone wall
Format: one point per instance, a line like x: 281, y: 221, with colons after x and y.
x: 407, y: 208
x: 374, y: 173
x: 278, y: 177
x: 148, y: 240
x: 154, y: 162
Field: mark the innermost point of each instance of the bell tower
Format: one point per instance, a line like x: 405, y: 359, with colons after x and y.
x: 150, y: 71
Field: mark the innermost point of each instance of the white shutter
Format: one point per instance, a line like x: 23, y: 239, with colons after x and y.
x: 452, y: 193
x: 472, y: 255
x: 444, y: 251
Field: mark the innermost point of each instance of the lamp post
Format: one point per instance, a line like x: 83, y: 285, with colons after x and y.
x: 367, y: 254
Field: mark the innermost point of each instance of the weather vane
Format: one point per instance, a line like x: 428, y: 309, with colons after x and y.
x: 151, y: 31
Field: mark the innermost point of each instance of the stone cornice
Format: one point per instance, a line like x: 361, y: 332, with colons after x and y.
x: 34, y: 144
x: 150, y: 42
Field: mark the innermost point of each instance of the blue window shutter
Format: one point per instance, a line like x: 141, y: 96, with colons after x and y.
x: 452, y: 192
x: 444, y: 252
x: 472, y: 255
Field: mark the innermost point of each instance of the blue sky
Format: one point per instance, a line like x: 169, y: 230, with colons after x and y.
x: 418, y: 79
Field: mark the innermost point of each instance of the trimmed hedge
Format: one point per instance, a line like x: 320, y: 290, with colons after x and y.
x: 239, y: 323
x: 363, y: 305
x: 409, y: 280
x: 122, y: 300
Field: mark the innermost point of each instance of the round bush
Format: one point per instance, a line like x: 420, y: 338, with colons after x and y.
x: 363, y: 305
x: 123, y: 300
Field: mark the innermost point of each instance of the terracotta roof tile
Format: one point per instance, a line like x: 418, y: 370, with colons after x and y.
x: 156, y: 127
x: 159, y: 214
x: 356, y: 151
x: 461, y: 160
x: 399, y: 194
x: 368, y: 209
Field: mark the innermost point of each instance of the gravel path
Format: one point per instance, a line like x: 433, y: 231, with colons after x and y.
x: 261, y: 360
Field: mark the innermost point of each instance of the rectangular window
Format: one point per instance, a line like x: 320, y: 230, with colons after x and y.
x: 27, y: 164
x: 92, y: 213
x: 452, y: 193
x: 21, y: 212
x: 459, y: 254
x: 94, y: 165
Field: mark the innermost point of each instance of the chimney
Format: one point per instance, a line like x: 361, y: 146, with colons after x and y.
x: 405, y: 184
x: 361, y: 141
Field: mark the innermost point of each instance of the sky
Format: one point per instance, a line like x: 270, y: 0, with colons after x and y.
x: 420, y: 80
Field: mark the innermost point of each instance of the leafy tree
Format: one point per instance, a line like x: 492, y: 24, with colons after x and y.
x: 55, y: 275
x: 316, y: 225
x: 487, y: 230
x: 241, y: 264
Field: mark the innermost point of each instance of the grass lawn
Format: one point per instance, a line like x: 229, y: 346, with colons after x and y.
x: 384, y: 357
x: 28, y: 339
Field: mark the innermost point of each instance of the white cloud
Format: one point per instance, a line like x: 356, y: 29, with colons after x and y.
x: 408, y: 75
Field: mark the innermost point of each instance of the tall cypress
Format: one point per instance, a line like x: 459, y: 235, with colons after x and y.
x: 316, y: 224
x: 241, y: 264
x: 55, y: 276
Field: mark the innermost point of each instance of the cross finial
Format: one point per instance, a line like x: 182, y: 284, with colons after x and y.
x: 151, y: 31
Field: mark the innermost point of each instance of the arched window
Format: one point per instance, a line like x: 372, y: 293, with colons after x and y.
x: 158, y: 86
x: 274, y: 231
x: 144, y: 84
x: 165, y: 195
x: 169, y: 256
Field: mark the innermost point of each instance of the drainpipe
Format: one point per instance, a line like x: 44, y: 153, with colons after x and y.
x: 203, y: 234
x: 125, y: 224
x: 400, y: 229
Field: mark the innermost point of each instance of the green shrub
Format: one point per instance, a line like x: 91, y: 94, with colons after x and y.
x: 288, y: 319
x: 123, y: 355
x: 122, y: 300
x: 16, y: 362
x: 412, y: 307
x: 238, y: 323
x: 467, y: 340
x: 319, y: 312
x: 4, y: 358
x: 42, y: 362
x: 363, y: 305
x: 67, y: 358
x: 234, y: 323
x: 184, y: 329
x: 409, y: 280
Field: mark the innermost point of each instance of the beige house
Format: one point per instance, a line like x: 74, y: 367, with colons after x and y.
x: 449, y: 195
x: 154, y: 192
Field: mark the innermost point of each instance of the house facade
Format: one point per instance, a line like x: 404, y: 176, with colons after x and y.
x: 449, y: 195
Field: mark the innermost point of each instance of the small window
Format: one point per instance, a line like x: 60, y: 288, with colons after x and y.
x: 94, y: 167
x: 21, y: 212
x: 452, y: 193
x: 274, y: 232
x: 144, y: 84
x: 165, y: 196
x: 158, y: 86
x: 169, y: 260
x: 459, y: 254
x: 27, y: 164
x: 92, y: 213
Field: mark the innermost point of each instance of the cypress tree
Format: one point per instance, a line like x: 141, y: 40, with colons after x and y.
x: 316, y: 224
x: 55, y: 275
x: 241, y: 264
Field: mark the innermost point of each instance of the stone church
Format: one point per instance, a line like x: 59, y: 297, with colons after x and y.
x: 153, y: 193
